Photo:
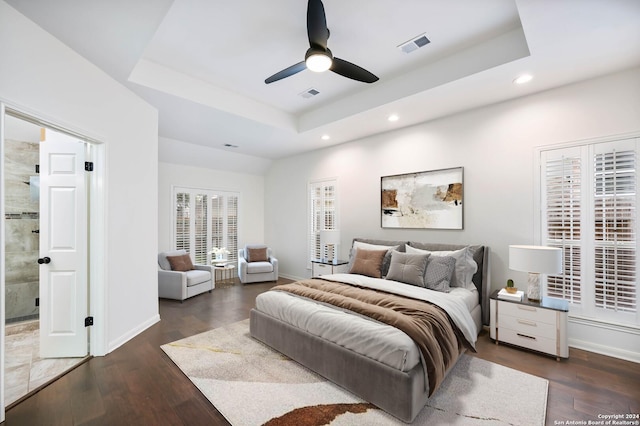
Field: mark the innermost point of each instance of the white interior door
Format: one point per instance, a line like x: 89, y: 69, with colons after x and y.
x: 63, y: 247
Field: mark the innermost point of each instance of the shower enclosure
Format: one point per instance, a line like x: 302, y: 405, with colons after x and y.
x: 21, y: 226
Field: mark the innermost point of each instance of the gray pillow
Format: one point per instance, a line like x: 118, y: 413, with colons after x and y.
x: 439, y: 273
x: 408, y: 268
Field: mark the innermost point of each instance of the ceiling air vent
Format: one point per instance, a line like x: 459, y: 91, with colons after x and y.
x: 414, y: 44
x: 309, y: 93
x: 228, y: 145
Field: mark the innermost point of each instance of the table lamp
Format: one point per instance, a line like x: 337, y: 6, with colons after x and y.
x: 330, y: 238
x: 535, y: 260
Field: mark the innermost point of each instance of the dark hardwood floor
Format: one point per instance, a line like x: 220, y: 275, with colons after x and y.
x: 137, y: 384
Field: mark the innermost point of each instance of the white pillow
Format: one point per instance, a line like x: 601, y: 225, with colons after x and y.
x: 367, y: 246
x: 465, y: 265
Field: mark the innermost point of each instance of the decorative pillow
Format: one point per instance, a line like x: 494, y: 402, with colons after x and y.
x: 368, y: 262
x: 439, y: 273
x: 366, y: 246
x: 257, y: 254
x: 464, y: 269
x: 180, y: 263
x: 408, y: 268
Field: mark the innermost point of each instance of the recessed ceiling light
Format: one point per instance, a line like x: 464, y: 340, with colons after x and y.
x: 524, y: 78
x: 325, y: 137
x: 393, y: 117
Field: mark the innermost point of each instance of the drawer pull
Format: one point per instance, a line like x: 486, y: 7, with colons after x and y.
x: 527, y: 308
x: 527, y: 322
x: 526, y: 337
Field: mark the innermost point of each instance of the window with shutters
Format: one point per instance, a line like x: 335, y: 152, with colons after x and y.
x: 588, y: 200
x: 205, y: 219
x: 323, y: 213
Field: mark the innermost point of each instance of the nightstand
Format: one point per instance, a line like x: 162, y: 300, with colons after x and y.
x: 324, y: 267
x: 540, y: 326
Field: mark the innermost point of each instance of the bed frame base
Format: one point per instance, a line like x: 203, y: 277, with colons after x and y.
x: 401, y: 394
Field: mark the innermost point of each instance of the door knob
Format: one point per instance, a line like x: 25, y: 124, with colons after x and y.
x: 44, y: 260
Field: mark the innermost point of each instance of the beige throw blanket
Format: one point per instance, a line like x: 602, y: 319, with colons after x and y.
x: 438, y: 338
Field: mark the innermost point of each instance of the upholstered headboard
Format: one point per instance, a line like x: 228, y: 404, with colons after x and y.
x: 480, y: 255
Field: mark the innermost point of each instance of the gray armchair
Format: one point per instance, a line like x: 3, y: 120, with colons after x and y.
x: 251, y: 271
x: 183, y: 285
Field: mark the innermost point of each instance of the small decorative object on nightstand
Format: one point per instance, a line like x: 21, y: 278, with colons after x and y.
x: 535, y: 260
x: 541, y: 326
x: 511, y: 288
x: 324, y: 267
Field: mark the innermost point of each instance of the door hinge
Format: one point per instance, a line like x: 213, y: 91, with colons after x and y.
x: 37, y: 168
x: 88, y: 166
x: 88, y: 321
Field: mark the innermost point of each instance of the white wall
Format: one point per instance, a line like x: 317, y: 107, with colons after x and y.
x: 41, y: 75
x: 251, y: 202
x: 494, y: 144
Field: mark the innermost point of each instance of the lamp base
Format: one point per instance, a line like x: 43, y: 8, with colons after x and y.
x: 330, y: 250
x: 533, y: 288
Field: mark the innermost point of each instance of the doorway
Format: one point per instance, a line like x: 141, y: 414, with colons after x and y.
x: 44, y: 219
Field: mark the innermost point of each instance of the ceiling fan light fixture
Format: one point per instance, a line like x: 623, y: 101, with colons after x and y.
x: 318, y: 62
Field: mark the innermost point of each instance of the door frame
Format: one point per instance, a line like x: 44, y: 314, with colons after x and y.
x: 97, y: 231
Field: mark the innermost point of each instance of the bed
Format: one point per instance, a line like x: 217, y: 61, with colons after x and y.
x: 328, y: 323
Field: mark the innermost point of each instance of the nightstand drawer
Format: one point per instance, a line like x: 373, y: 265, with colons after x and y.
x: 527, y: 326
x: 527, y: 340
x: 527, y: 312
x: 321, y: 269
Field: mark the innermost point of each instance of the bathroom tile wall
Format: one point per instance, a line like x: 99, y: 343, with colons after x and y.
x: 22, y: 224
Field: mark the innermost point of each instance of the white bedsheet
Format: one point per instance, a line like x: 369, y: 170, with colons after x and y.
x: 363, y: 335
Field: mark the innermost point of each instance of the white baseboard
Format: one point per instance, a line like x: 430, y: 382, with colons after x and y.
x: 115, y: 344
x: 605, y: 350
x: 291, y: 277
x: 615, y: 340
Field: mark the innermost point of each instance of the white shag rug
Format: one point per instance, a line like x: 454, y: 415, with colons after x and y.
x: 252, y: 384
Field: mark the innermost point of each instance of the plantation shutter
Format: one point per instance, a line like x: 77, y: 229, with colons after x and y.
x: 183, y: 224
x: 217, y: 221
x: 563, y: 202
x: 588, y: 200
x: 205, y: 219
x: 322, y: 213
x: 232, y: 227
x: 615, y: 229
x: 200, y: 231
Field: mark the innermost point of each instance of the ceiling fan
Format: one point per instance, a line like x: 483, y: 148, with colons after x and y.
x: 318, y: 57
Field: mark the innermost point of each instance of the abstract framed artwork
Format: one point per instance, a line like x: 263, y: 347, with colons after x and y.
x: 423, y: 200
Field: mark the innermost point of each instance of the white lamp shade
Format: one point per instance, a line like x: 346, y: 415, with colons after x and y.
x: 329, y: 236
x: 536, y: 259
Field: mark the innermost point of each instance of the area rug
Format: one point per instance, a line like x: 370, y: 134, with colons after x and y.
x: 251, y: 384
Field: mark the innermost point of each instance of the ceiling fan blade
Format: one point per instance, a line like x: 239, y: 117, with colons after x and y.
x: 352, y: 71
x: 317, y: 24
x: 287, y: 72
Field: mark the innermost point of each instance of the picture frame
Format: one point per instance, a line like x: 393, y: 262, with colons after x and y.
x: 431, y: 199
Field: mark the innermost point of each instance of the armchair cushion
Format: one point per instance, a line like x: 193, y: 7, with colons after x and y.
x: 180, y: 263
x: 259, y: 267
x: 196, y: 277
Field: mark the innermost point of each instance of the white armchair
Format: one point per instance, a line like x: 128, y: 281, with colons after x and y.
x: 183, y: 285
x: 262, y: 267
